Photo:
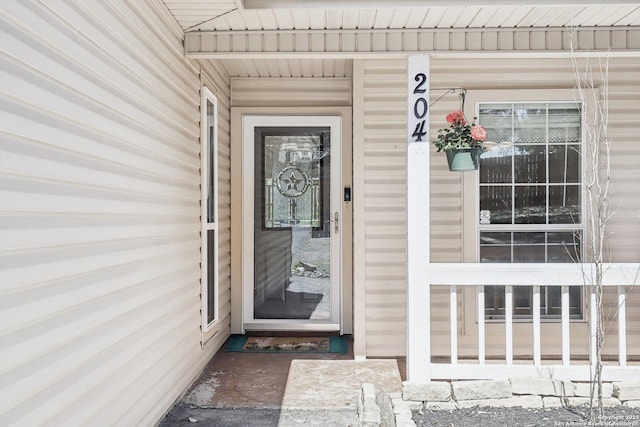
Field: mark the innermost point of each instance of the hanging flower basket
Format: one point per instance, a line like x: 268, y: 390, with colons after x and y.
x: 461, y: 141
x: 463, y: 159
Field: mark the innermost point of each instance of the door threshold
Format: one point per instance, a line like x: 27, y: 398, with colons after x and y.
x: 291, y: 327
x: 296, y: 333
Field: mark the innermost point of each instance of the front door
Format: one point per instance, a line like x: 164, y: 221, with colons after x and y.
x: 291, y: 222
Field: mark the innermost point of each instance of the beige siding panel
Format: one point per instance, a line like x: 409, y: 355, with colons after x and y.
x: 384, y: 206
x: 384, y: 248
x: 447, y: 202
x: 288, y: 92
x: 214, y: 76
x: 550, y: 74
x: 99, y: 206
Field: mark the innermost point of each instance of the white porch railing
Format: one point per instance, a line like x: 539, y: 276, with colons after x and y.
x: 419, y: 366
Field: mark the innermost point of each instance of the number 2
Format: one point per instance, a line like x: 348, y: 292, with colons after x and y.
x: 422, y: 78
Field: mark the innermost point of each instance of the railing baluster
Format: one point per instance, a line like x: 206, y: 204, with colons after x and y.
x: 508, y: 324
x: 592, y: 323
x: 566, y: 331
x: 453, y: 310
x: 622, y: 326
x: 510, y: 276
x: 480, y: 299
x: 537, y: 359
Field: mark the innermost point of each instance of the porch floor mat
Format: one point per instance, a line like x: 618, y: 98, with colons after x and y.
x: 242, y: 343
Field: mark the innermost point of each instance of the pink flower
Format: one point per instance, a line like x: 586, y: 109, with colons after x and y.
x: 457, y: 117
x: 478, y: 133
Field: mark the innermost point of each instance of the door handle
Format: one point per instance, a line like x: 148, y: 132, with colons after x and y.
x: 335, y: 221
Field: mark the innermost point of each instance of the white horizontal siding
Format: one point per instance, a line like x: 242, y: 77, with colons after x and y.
x: 99, y: 213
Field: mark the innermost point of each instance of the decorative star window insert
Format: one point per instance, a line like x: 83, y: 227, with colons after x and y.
x: 292, y: 181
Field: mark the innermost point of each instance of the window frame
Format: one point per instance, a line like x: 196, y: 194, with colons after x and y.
x: 473, y: 185
x: 208, y: 160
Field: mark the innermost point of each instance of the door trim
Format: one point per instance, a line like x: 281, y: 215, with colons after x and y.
x: 237, y: 244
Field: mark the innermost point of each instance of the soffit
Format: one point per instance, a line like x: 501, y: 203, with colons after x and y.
x: 273, y: 17
x: 288, y: 67
x: 269, y: 15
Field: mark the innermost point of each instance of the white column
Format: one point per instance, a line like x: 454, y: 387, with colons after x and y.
x: 418, y: 256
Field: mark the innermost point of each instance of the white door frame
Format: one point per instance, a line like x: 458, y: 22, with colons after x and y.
x: 249, y: 122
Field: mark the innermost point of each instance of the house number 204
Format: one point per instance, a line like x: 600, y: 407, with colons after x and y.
x: 420, y: 107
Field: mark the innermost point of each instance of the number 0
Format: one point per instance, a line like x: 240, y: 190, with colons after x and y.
x: 416, y: 108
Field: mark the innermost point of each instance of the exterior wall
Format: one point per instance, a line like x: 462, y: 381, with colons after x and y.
x: 99, y: 199
x: 217, y: 80
x: 545, y: 77
x: 380, y: 213
x: 290, y: 96
x: 380, y: 174
x: 291, y: 92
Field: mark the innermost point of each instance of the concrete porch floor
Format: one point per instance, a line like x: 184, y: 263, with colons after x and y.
x: 283, y: 389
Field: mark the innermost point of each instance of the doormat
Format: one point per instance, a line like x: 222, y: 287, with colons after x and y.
x: 242, y: 343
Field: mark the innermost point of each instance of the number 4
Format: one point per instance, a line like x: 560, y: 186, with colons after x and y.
x: 419, y: 132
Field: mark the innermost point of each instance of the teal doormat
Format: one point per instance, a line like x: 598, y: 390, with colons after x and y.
x: 243, y: 343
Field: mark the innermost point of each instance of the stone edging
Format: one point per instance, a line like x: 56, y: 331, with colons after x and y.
x: 394, y: 409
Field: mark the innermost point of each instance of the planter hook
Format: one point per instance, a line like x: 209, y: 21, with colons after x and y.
x: 463, y: 94
x: 449, y: 90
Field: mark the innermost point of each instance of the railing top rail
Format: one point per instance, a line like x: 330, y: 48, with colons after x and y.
x: 528, y: 274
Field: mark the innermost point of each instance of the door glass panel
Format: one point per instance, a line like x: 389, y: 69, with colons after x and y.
x: 292, y: 223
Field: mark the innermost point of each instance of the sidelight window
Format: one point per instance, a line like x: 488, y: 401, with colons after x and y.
x: 209, y: 214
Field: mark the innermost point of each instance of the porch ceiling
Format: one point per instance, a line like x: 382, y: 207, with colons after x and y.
x: 261, y: 15
x: 268, y: 38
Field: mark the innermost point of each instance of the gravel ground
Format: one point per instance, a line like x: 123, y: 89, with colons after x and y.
x: 521, y: 417
x: 183, y: 415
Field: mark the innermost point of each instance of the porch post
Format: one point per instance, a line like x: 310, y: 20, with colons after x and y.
x: 418, y: 237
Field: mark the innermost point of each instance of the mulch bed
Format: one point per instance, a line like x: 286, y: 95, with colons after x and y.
x: 521, y: 417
